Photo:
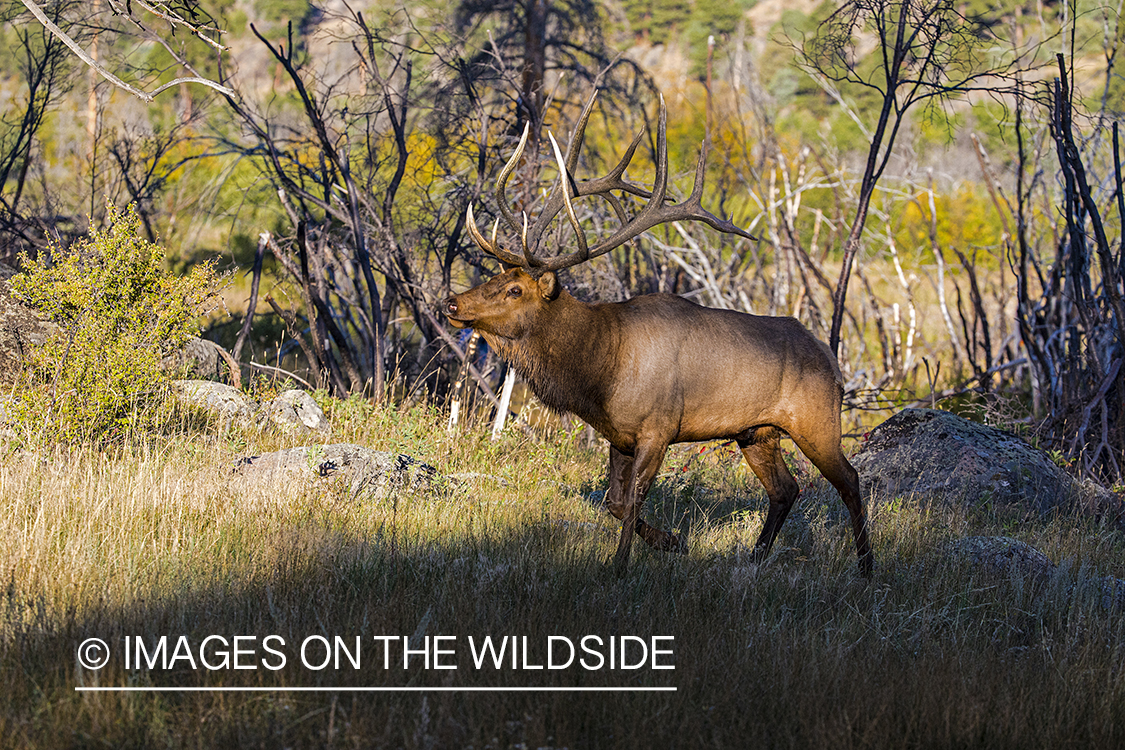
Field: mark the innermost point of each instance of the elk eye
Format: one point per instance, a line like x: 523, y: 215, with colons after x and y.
x: 515, y: 291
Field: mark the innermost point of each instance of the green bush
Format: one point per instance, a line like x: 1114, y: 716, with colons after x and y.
x: 118, y: 314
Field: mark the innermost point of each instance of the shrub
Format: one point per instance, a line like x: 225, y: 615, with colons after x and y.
x: 118, y: 314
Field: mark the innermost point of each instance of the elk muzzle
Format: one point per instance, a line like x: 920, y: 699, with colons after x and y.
x: 449, y: 309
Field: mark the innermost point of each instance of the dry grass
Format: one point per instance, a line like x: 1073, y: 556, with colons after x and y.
x: 156, y: 539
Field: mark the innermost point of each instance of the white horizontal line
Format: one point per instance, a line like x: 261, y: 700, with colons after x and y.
x: 159, y: 689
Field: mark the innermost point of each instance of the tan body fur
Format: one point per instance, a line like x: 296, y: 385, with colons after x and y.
x: 658, y: 369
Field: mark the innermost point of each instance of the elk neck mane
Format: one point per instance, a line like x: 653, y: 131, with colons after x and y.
x: 565, y: 356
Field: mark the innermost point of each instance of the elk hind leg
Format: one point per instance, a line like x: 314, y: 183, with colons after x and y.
x: 762, y: 450
x: 827, y: 456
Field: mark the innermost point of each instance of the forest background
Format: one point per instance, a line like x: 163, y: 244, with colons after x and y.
x: 331, y: 150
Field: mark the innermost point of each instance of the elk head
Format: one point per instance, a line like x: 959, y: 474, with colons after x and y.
x: 506, y: 305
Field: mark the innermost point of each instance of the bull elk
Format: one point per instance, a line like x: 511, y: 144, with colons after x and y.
x: 658, y: 369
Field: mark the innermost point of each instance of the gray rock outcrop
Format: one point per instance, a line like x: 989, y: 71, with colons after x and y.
x: 937, y: 456
x: 368, y: 472
x: 226, y: 402
x: 292, y: 411
x: 200, y: 358
x: 21, y: 330
x: 1003, y: 557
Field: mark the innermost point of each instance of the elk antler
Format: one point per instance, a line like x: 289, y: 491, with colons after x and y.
x: 654, y: 212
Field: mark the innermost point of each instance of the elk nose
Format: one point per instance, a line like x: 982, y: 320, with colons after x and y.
x: 450, y: 305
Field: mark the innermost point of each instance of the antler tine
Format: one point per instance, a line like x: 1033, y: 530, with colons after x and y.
x: 614, y: 176
x: 695, y: 201
x: 597, y: 186
x: 660, y: 186
x: 564, y: 182
x: 614, y: 181
x: 492, y: 248
x: 655, y: 211
x: 579, y: 135
x: 554, y: 201
x: 471, y: 225
x: 532, y: 261
x: 528, y: 260
x: 502, y: 180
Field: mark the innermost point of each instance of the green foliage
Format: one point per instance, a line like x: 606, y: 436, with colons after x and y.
x: 938, y: 126
x: 118, y: 313
x: 659, y: 20
x: 662, y: 21
x: 717, y: 18
x: 277, y: 11
x: 967, y: 219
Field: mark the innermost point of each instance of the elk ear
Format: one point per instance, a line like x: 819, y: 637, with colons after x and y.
x: 549, y: 285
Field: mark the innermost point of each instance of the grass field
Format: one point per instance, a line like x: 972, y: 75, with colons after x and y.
x: 157, y: 539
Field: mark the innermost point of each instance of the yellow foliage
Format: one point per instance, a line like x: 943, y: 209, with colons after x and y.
x: 117, y: 314
x: 966, y: 219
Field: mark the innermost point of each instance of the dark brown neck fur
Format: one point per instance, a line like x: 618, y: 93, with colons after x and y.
x: 565, y: 357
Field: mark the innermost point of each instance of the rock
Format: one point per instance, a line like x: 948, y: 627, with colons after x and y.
x: 202, y: 359
x: 1003, y: 555
x: 1101, y: 503
x: 227, y: 403
x: 290, y: 411
x: 935, y: 455
x: 294, y: 411
x: 366, y: 470
x: 1112, y: 592
x: 21, y: 330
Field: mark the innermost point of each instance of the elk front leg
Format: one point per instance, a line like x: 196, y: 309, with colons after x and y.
x: 630, y: 477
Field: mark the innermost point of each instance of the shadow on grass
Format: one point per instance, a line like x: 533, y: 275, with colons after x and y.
x: 525, y: 585
x: 802, y: 654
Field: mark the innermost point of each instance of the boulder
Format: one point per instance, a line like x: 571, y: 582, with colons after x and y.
x: 21, y: 330
x: 202, y: 359
x: 368, y: 472
x: 934, y: 455
x: 227, y: 403
x: 292, y: 411
x: 1004, y: 557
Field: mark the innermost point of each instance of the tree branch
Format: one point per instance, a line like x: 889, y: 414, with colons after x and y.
x: 104, y: 73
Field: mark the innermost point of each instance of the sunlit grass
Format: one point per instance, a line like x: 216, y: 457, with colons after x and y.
x: 159, y: 538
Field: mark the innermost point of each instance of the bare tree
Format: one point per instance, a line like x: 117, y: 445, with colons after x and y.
x: 188, y: 17
x: 924, y: 52
x: 375, y: 166
x: 533, y: 43
x: 1070, y: 311
x: 44, y: 75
